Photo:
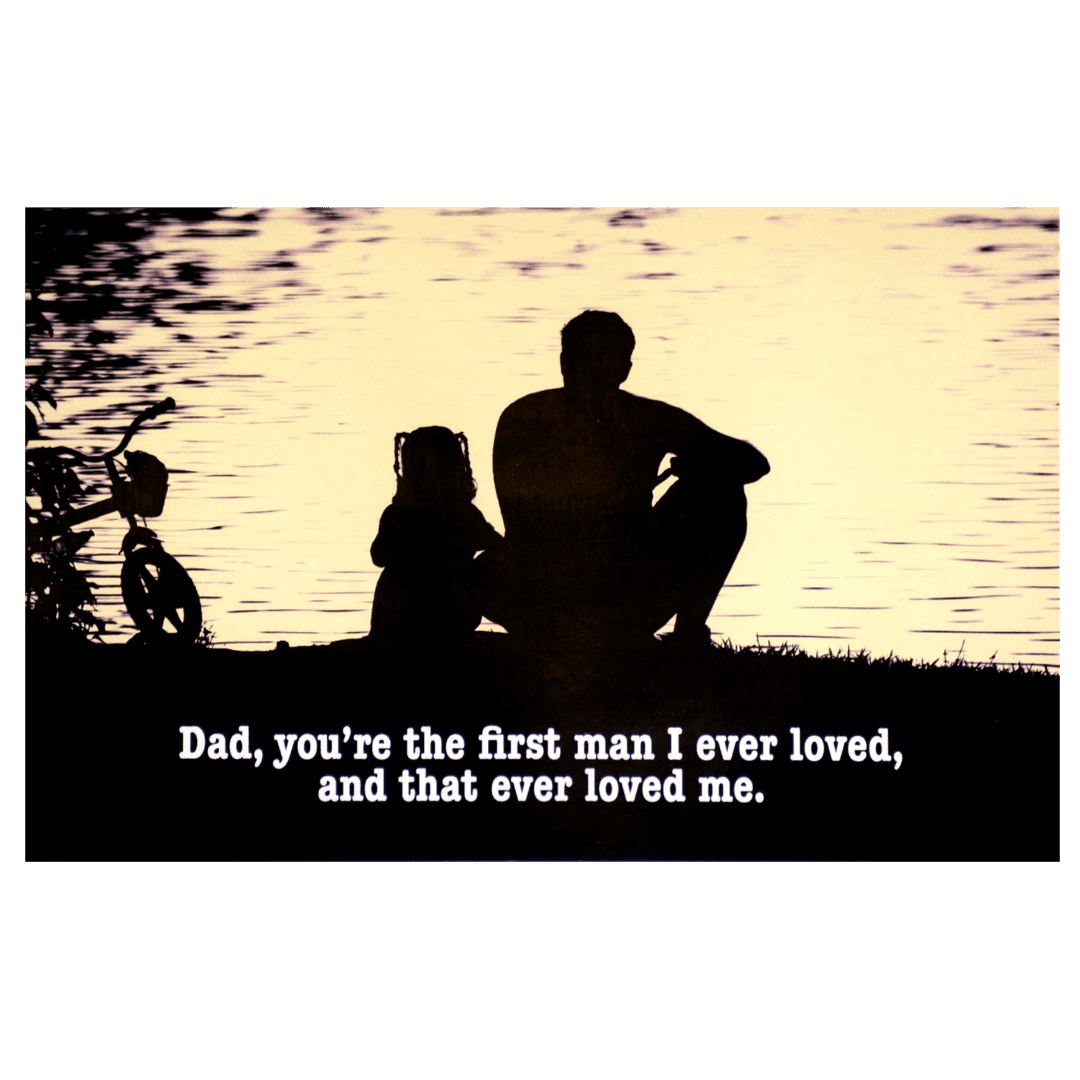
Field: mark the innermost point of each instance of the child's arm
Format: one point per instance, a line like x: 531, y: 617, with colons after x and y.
x: 392, y: 541
x: 484, y: 535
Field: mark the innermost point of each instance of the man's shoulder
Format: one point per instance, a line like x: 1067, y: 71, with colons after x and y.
x: 636, y: 401
x: 537, y: 405
x: 553, y: 407
x: 653, y: 410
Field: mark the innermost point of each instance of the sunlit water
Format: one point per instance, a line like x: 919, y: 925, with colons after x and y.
x: 898, y: 369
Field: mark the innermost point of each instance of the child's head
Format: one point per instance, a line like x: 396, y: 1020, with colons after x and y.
x: 432, y: 466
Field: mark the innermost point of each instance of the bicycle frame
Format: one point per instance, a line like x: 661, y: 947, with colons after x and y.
x: 118, y: 501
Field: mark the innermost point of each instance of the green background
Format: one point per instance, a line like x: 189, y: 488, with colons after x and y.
x: 513, y: 969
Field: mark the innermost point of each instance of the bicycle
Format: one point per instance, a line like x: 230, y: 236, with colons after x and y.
x: 159, y: 594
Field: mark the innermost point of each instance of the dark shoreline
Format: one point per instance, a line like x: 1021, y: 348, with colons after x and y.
x: 979, y: 777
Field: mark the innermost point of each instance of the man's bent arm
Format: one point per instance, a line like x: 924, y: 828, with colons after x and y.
x: 742, y: 459
x: 698, y: 446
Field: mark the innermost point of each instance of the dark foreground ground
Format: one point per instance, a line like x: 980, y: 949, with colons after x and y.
x: 978, y: 774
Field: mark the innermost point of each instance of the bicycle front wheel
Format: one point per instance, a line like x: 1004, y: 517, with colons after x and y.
x: 160, y: 596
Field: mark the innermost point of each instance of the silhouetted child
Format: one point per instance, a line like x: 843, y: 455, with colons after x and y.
x: 427, y: 539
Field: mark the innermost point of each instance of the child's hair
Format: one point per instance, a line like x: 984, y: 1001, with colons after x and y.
x: 432, y: 467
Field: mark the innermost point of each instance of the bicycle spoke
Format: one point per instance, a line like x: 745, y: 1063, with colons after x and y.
x: 152, y: 601
x: 150, y: 583
x: 166, y: 599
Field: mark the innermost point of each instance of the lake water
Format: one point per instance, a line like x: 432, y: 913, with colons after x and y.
x: 899, y: 368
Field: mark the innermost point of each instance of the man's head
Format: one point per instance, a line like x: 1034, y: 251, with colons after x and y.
x: 596, y: 350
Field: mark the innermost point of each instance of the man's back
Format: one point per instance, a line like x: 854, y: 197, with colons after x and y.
x: 567, y: 467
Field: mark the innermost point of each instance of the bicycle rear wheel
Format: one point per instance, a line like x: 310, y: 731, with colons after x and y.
x: 160, y: 596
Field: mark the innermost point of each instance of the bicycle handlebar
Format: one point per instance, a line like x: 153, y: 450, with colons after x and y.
x: 147, y: 414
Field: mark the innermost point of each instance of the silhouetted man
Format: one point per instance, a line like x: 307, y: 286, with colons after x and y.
x: 588, y: 559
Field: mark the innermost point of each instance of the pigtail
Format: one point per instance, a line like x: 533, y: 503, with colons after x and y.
x: 470, y: 480
x: 464, y: 444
